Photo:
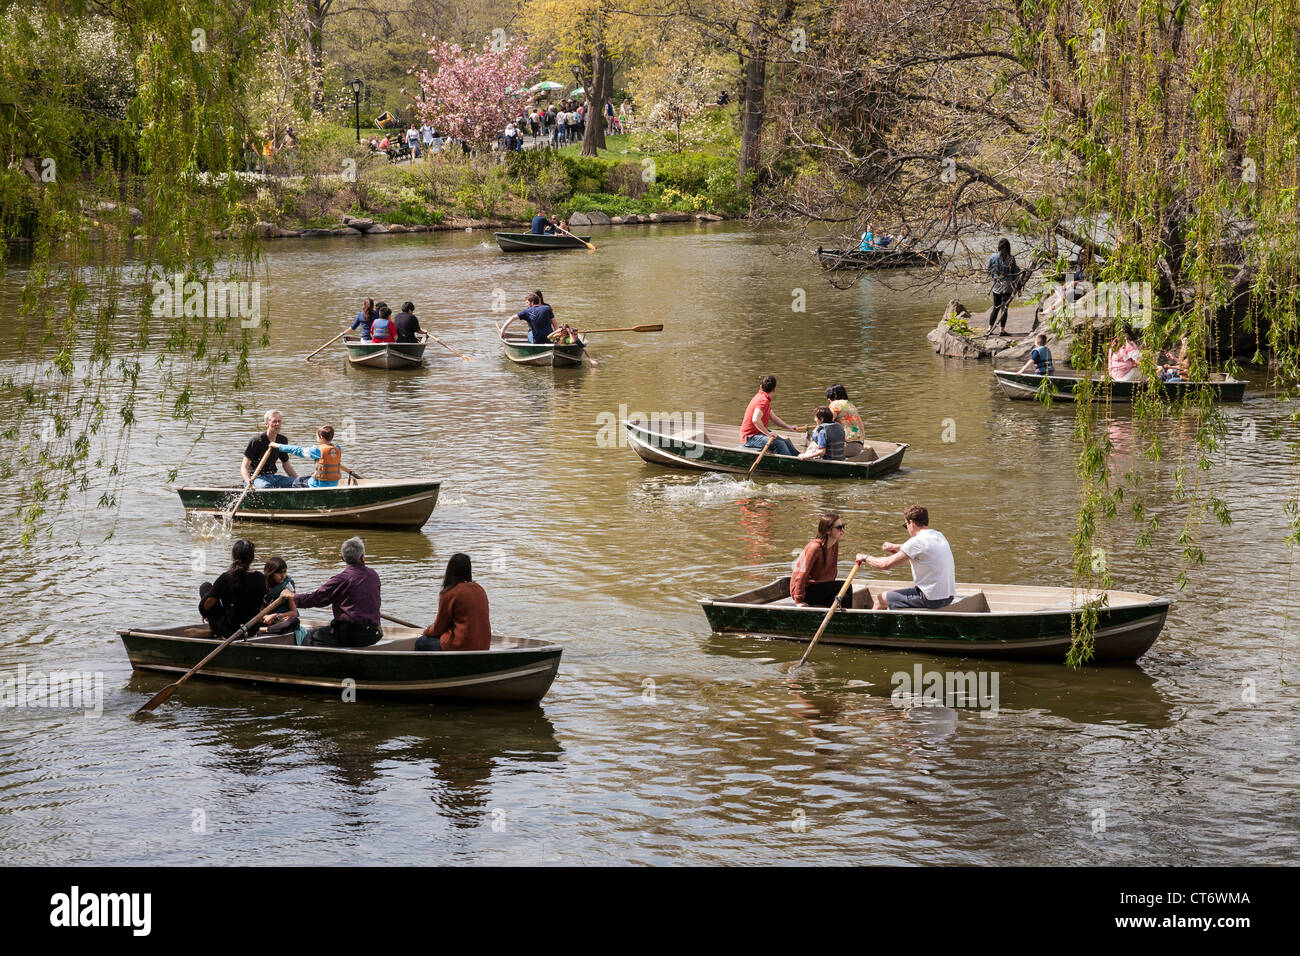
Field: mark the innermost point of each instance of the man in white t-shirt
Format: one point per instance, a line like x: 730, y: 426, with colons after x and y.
x: 933, y: 570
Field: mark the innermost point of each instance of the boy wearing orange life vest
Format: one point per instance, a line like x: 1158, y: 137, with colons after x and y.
x: 327, y: 455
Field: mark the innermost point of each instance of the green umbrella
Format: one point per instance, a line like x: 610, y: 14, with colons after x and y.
x: 578, y: 92
x: 546, y: 85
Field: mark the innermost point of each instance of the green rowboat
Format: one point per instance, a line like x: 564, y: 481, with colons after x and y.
x: 987, y: 620
x: 712, y: 447
x: 522, y: 352
x: 1223, y: 387
x: 512, y: 669
x: 368, y: 503
x: 385, y: 355
x: 530, y: 242
x: 886, y: 258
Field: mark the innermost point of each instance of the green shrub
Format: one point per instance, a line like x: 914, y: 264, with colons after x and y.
x: 588, y: 170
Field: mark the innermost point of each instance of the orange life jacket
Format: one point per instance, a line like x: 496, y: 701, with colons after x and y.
x: 327, y: 469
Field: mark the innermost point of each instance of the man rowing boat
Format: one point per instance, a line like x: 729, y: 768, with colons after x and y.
x: 754, y: 431
x: 538, y: 315
x: 934, y: 576
x: 266, y: 477
x: 354, y: 595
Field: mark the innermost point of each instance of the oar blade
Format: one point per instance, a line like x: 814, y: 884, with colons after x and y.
x: 157, y: 699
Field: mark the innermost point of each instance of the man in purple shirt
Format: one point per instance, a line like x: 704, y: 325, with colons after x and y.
x: 354, y: 595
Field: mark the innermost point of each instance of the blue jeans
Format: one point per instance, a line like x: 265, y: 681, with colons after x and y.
x: 780, y: 446
x: 427, y: 644
x: 272, y: 481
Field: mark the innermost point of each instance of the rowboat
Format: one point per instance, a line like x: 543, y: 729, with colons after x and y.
x: 522, y: 352
x: 878, y: 258
x: 367, y: 503
x: 511, y: 669
x: 1223, y: 387
x: 713, y: 447
x: 387, y: 355
x: 986, y: 620
x: 530, y: 242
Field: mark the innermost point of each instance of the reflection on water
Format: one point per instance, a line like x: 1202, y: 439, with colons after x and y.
x: 730, y: 758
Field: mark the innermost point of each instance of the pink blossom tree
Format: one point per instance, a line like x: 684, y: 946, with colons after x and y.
x: 469, y: 94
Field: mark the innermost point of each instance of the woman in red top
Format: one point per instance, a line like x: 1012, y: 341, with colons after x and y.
x: 462, y: 622
x: 813, y: 581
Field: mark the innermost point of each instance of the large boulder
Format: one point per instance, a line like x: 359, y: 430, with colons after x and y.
x: 579, y: 219
x: 360, y: 225
x: 398, y: 227
x: 671, y: 216
x: 266, y: 230
x: 598, y: 218
x: 282, y: 233
x: 708, y: 217
x: 616, y: 220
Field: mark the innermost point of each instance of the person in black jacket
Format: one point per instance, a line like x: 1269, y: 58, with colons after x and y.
x: 236, y: 596
x: 408, y: 326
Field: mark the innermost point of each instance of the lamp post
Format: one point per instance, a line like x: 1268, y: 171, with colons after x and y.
x: 356, y: 102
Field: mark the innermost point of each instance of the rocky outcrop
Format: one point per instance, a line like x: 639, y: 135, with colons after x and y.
x: 598, y: 218
x: 960, y: 334
x: 671, y: 216
x: 579, y: 219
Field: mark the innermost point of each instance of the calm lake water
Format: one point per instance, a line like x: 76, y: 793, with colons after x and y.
x: 659, y: 742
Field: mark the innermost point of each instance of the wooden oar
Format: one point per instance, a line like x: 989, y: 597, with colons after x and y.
x: 835, y: 606
x: 256, y: 471
x: 634, y: 328
x: 770, y: 438
x: 170, y: 689
x: 448, y: 347
x: 572, y: 236
x: 398, y: 620
x: 330, y: 342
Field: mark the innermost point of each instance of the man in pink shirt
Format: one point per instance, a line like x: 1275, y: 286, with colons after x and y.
x: 754, y: 430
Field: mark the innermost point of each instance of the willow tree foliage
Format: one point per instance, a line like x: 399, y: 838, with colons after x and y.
x: 1159, y: 136
x: 120, y: 124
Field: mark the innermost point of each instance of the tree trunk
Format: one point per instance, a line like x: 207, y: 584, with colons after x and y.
x: 753, y: 79
x: 316, y: 12
x: 602, y: 76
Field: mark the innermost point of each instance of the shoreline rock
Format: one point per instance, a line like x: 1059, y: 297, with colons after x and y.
x: 364, y: 226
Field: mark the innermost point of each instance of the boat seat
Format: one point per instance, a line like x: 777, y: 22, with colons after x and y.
x: 968, y: 604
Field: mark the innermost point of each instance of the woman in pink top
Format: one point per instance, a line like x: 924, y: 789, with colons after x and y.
x: 1123, y: 357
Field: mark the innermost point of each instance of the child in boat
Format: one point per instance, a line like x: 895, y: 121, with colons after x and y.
x: 564, y: 335
x: 1179, y: 367
x: 827, y: 438
x: 383, y: 329
x: 276, y: 574
x: 1040, y: 358
x: 327, y: 455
